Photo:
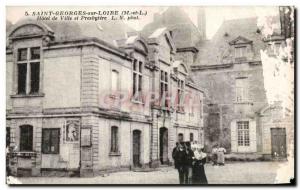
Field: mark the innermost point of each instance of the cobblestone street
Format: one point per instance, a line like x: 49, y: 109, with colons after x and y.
x: 231, y: 173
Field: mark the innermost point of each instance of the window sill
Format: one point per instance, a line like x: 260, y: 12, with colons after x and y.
x: 113, y: 96
x: 179, y: 111
x: 137, y: 102
x: 27, y: 95
x: 238, y: 59
x: 115, y: 154
x: 245, y: 102
x: 24, y: 154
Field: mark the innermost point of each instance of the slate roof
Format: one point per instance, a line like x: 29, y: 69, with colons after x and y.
x: 102, y: 30
x: 185, y: 33
x: 212, y: 52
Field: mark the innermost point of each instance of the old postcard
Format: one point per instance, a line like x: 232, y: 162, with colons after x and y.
x: 150, y: 95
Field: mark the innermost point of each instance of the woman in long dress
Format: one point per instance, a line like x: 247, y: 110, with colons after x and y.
x: 221, y: 158
x: 199, y: 176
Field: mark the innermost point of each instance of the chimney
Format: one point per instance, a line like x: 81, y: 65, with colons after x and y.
x: 201, y: 22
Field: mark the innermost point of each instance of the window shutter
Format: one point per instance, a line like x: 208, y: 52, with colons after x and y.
x: 252, y: 128
x: 233, y: 130
x: 46, y: 141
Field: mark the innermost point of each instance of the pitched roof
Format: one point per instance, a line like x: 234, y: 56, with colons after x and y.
x: 102, y: 30
x: 185, y: 33
x: 215, y: 51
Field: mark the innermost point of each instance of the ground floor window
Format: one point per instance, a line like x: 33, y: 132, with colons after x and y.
x: 114, y: 139
x: 191, y: 137
x: 243, y: 133
x: 7, y: 136
x: 26, y: 135
x: 50, y: 141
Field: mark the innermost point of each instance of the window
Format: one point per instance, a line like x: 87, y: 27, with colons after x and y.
x: 50, y: 141
x: 240, y: 52
x: 28, y: 70
x: 201, y: 109
x: 180, y: 95
x: 191, y: 137
x: 164, y: 86
x: 137, y: 80
x: 7, y: 136
x: 273, y: 48
x: 114, y: 81
x: 26, y: 135
x: 243, y: 133
x: 114, y: 139
x: 241, y: 90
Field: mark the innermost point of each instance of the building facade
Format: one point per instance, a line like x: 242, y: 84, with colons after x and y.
x: 237, y: 67
x: 86, y: 98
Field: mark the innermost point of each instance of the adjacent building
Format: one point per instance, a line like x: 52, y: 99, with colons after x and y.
x: 242, y: 115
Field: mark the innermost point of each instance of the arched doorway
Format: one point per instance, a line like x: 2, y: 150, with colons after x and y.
x: 163, y: 145
x: 136, y: 148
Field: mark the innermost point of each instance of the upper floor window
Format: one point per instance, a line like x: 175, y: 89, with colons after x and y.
x: 114, y: 145
x: 164, y: 88
x: 50, y: 141
x: 137, y: 80
x: 26, y: 136
x: 241, y: 90
x: 273, y: 48
x: 114, y: 81
x: 240, y: 52
x: 180, y: 95
x: 28, y: 66
x: 243, y: 133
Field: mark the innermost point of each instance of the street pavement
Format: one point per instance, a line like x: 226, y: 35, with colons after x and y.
x: 231, y: 173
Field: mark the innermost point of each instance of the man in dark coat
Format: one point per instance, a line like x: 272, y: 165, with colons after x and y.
x: 179, y: 155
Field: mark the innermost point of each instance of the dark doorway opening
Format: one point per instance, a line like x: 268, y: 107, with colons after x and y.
x: 136, y: 146
x: 163, y: 145
x: 278, y: 141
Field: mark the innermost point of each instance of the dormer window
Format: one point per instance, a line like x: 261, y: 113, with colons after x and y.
x: 273, y: 48
x: 164, y: 88
x: 180, y: 94
x: 240, y: 52
x: 28, y: 70
x: 241, y: 46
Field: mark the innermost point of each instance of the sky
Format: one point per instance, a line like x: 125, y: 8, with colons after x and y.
x: 215, y: 15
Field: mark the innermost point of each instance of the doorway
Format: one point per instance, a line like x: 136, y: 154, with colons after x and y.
x: 163, y: 145
x: 278, y: 141
x: 136, y: 148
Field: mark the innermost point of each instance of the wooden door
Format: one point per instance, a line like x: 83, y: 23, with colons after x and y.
x: 278, y: 140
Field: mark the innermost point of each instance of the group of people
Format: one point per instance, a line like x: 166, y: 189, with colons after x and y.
x: 218, y: 157
x: 189, y: 160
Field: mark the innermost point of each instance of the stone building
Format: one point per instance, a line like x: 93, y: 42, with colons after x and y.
x: 240, y: 114
x: 86, y: 98
x: 238, y: 111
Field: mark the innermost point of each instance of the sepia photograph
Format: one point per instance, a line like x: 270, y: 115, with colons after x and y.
x: 150, y: 95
